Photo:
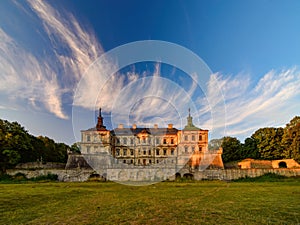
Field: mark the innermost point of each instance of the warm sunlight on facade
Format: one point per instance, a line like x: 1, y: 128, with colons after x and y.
x: 140, y: 146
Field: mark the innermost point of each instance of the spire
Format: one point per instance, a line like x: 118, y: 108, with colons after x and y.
x: 190, y: 125
x: 100, y: 125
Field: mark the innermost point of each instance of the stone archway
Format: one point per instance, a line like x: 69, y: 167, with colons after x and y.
x: 188, y: 176
x: 177, y: 176
x: 282, y: 164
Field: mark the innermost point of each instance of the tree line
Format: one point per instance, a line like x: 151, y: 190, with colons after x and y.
x: 18, y: 146
x: 266, y: 143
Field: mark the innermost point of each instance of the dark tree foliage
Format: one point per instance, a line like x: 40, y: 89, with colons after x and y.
x: 291, y: 139
x: 249, y: 149
x: 269, y: 142
x: 75, y: 148
x: 18, y: 146
x: 232, y: 149
x: 15, y: 144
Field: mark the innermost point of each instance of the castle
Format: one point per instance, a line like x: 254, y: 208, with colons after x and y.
x: 135, y: 152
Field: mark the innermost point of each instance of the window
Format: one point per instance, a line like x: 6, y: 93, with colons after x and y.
x: 157, y: 161
x: 186, y: 149
x: 88, y: 149
x: 185, y: 137
x: 88, y: 138
x: 150, y: 161
x: 125, y: 141
x: 165, y: 151
x: 131, y: 141
x: 157, y: 151
x: 157, y: 140
x: 117, y: 152
x: 172, y: 151
x: 172, y: 141
x: 149, y: 140
x: 193, y: 148
x: 200, y: 137
x: 144, y: 151
x: 149, y: 152
x: 125, y: 152
x: 200, y: 149
x: 131, y: 161
x: 117, y: 140
x: 124, y: 161
x: 144, y: 140
x: 131, y: 152
x: 165, y: 141
x: 193, y: 137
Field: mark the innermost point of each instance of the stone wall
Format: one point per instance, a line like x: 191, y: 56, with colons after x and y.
x: 78, y: 175
x: 63, y: 175
x: 233, y: 174
x: 40, y: 165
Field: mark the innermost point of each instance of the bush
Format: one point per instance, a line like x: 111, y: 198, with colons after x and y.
x: 48, y: 177
x: 5, y: 177
x: 268, y: 177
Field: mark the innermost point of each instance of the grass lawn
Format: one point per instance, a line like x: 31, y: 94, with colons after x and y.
x: 206, y: 202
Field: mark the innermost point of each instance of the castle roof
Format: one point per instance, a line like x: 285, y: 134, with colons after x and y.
x: 138, y: 130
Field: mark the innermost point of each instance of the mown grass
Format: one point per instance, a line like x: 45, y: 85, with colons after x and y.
x: 206, y: 202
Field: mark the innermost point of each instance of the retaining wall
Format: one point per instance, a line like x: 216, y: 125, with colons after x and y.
x: 77, y: 175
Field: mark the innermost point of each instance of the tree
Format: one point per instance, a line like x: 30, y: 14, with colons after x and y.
x: 15, y: 144
x: 291, y: 139
x: 53, y: 152
x: 269, y: 142
x: 249, y: 149
x: 75, y: 148
x: 231, y: 149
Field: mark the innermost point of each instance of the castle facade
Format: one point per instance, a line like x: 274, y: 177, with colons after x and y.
x: 137, y: 147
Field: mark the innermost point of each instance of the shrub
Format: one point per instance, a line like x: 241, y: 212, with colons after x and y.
x: 48, y: 177
x: 268, y: 177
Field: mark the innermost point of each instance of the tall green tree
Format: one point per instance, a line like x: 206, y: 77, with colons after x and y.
x: 249, y: 149
x: 15, y: 145
x: 232, y: 149
x: 291, y: 139
x: 269, y: 142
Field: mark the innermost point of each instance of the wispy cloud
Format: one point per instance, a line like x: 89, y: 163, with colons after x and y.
x: 43, y: 79
x: 272, y: 101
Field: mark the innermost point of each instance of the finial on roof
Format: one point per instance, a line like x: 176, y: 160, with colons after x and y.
x: 189, y: 112
x: 100, y: 125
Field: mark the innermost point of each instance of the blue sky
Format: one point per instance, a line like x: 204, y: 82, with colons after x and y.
x: 251, y: 47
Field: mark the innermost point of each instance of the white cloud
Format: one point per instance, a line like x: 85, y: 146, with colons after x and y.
x: 43, y: 79
x: 273, y: 101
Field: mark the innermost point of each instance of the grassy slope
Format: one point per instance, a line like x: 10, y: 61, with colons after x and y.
x: 163, y: 203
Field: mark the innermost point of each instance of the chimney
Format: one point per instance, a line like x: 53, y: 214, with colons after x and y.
x: 134, y: 126
x: 155, y: 126
x: 170, y: 126
x: 121, y: 126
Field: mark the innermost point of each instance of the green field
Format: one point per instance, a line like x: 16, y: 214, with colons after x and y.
x: 207, y: 202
